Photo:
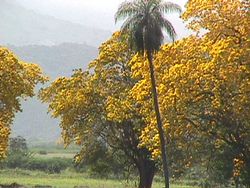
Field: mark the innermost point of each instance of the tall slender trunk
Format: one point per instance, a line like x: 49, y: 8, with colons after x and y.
x: 159, y: 120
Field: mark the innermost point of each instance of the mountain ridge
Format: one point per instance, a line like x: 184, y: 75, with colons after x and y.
x: 21, y: 26
x: 57, y: 60
x: 34, y: 123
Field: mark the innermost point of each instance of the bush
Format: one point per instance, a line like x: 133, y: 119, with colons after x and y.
x: 20, y: 157
x: 18, y: 154
x: 42, y: 152
x: 53, y: 165
x: 101, y: 162
x: 17, y: 160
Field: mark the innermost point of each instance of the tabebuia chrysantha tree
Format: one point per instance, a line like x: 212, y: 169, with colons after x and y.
x: 204, y: 90
x: 94, y: 107
x: 17, y: 82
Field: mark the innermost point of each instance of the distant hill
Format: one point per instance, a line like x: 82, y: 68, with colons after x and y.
x: 58, y: 60
x: 34, y: 123
x: 57, y: 46
x: 19, y: 26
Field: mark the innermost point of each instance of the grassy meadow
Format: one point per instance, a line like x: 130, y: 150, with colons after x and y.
x: 67, y: 178
x: 54, y: 151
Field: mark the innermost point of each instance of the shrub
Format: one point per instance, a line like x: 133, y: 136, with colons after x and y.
x: 42, y: 152
x: 18, y: 154
x: 53, y: 165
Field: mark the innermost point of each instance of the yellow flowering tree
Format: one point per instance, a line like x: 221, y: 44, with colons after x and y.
x: 17, y: 81
x: 204, y: 95
x: 94, y: 107
x: 204, y: 87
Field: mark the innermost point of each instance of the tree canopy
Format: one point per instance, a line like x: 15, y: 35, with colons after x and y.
x: 145, y: 22
x: 17, y: 81
x: 94, y: 107
x: 203, y: 84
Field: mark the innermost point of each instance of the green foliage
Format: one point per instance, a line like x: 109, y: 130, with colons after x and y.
x: 221, y: 166
x: 101, y: 161
x: 18, y: 155
x: 53, y: 165
x: 18, y: 144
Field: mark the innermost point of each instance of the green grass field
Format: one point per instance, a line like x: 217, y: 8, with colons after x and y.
x: 54, y: 151
x: 66, y: 179
x: 55, y: 155
x: 54, y: 148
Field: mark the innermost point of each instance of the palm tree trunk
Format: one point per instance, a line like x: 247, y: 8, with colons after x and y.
x: 159, y: 120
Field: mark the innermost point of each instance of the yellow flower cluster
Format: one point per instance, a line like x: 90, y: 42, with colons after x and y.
x: 4, y: 135
x: 17, y: 80
x: 238, y: 165
x: 200, y: 76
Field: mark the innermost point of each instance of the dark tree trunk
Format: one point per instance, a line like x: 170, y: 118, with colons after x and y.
x: 146, y: 169
x: 159, y: 120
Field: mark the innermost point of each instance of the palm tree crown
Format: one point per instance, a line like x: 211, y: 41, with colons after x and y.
x: 145, y: 21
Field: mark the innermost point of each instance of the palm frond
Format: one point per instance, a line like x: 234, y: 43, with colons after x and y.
x: 144, y: 21
x: 164, y: 24
x: 168, y: 7
x: 138, y: 38
x: 169, y: 28
x: 126, y: 9
x: 131, y: 22
x: 154, y: 35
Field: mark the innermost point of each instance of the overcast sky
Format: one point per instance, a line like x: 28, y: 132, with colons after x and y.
x: 93, y: 13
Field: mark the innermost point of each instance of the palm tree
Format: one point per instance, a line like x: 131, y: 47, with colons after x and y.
x: 144, y: 20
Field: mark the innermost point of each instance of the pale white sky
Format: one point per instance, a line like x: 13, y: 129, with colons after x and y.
x: 93, y: 13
